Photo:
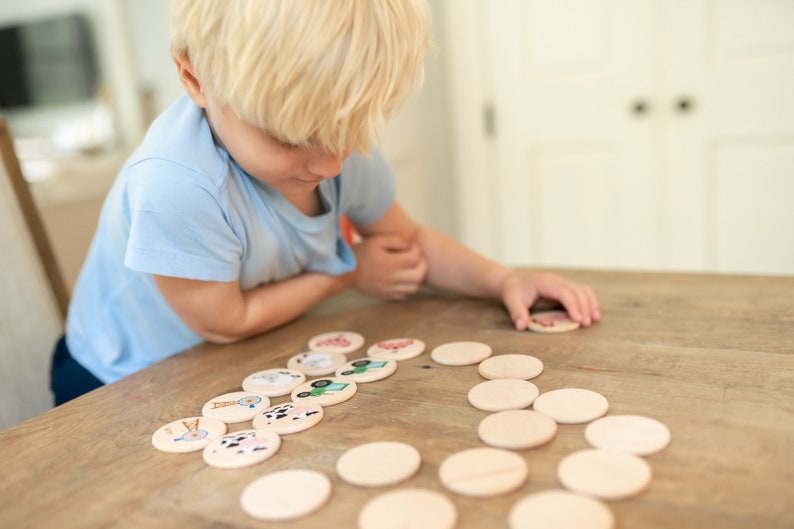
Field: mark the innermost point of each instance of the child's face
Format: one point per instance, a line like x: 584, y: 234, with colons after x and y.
x: 290, y: 170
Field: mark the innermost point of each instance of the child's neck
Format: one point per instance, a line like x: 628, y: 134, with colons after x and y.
x: 310, y: 204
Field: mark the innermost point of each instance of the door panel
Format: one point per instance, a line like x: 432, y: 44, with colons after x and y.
x: 752, y: 27
x: 569, y: 137
x: 627, y: 132
x: 736, y: 68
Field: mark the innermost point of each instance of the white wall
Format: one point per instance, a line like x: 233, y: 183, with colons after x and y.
x: 417, y: 143
x: 147, y: 21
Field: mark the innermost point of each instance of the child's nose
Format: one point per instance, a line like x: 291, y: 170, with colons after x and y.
x: 326, y: 165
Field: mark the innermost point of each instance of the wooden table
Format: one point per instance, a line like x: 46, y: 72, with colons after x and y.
x: 712, y: 357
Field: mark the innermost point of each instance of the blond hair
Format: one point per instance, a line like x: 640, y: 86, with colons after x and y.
x: 325, y: 73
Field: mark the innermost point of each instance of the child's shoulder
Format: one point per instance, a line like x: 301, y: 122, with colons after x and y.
x: 181, y: 136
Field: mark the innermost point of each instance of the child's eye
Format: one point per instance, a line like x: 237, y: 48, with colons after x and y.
x: 288, y: 146
x: 285, y: 144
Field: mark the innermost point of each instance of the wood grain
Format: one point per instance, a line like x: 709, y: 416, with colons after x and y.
x: 712, y: 357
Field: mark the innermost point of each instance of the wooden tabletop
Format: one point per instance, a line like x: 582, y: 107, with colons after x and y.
x: 712, y: 357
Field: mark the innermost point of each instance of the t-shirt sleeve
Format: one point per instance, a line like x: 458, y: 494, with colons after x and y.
x: 178, y: 225
x: 367, y: 188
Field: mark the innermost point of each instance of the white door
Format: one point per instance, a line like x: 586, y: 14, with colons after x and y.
x: 729, y: 187
x: 576, y: 155
x: 624, y: 130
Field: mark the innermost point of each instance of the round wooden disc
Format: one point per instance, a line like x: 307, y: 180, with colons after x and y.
x: 274, y: 382
x: 632, y: 434
x: 483, y: 472
x: 324, y: 391
x: 560, y: 509
x: 503, y: 394
x: 397, y: 349
x: 551, y: 321
x: 517, y: 429
x: 604, y: 474
x: 461, y: 353
x: 409, y: 508
x: 519, y: 366
x: 571, y: 405
x: 188, y: 435
x: 342, y: 342
x: 316, y: 364
x: 378, y: 464
x: 289, y: 417
x: 365, y: 370
x: 238, y: 406
x: 286, y: 495
x: 241, y: 449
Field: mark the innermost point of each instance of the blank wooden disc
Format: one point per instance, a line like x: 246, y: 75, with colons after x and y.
x: 503, y: 394
x: 483, y: 472
x: 517, y: 429
x: 604, y: 474
x: 286, y: 495
x: 461, y: 353
x: 560, y: 509
x: 571, y: 405
x: 409, y: 509
x: 519, y: 366
x: 378, y: 464
x: 632, y: 434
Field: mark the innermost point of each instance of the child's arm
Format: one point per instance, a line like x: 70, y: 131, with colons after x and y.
x: 387, y: 267
x: 220, y: 312
x: 453, y: 267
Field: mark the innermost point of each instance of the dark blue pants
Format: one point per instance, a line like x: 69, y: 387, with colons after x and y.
x: 68, y: 379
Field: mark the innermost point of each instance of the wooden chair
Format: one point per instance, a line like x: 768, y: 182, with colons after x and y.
x: 33, y: 298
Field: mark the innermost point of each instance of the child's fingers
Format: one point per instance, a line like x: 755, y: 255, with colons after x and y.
x: 518, y: 308
x: 569, y: 295
x: 412, y: 276
x: 595, y: 307
x: 584, y: 306
x: 581, y: 303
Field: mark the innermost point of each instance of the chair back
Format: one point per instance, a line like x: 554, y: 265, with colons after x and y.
x: 33, y: 298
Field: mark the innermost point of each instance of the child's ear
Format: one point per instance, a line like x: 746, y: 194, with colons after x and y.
x: 189, y: 80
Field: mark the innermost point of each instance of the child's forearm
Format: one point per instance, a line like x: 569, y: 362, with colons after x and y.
x: 455, y: 268
x: 275, y: 304
x: 221, y: 313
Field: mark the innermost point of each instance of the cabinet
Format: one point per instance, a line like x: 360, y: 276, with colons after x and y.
x: 641, y: 134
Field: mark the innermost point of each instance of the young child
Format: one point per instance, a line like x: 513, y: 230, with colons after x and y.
x: 224, y: 223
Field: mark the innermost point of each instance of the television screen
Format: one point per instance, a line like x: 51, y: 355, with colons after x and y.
x: 47, y: 62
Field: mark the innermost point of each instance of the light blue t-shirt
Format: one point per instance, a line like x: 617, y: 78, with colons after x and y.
x: 182, y: 207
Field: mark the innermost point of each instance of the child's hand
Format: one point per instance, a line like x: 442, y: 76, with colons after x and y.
x: 520, y: 290
x: 389, y: 267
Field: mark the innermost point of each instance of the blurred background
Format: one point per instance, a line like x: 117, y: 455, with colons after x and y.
x: 621, y: 134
